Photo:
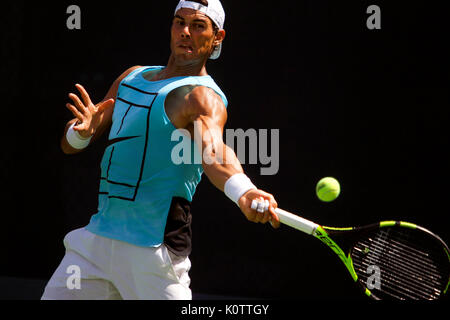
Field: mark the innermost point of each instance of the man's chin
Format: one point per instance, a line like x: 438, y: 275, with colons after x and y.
x: 187, y: 58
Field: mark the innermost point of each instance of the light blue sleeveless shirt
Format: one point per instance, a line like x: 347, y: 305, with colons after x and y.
x: 138, y: 177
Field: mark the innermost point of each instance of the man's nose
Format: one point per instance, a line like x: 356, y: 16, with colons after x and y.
x: 185, y: 33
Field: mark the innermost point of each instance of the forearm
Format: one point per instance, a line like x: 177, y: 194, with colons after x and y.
x: 219, y: 167
x: 220, y: 163
x: 225, y: 172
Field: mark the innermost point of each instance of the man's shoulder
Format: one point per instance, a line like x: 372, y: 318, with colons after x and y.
x: 202, y: 94
x: 127, y: 73
x: 194, y: 93
x: 204, y: 100
x: 195, y: 99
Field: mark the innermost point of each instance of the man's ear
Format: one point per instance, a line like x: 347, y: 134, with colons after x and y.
x: 220, y: 36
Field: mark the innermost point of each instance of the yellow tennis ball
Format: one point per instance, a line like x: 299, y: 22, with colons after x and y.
x: 328, y: 189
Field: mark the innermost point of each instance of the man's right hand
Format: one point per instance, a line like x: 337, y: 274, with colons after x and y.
x: 259, y: 217
x: 88, y: 114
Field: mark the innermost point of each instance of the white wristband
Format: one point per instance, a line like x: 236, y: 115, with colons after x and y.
x: 75, y: 139
x: 237, y: 185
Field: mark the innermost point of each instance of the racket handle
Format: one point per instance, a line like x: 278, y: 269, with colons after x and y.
x: 287, y: 218
x: 296, y: 222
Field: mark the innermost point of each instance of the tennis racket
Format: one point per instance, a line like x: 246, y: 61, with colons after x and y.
x: 389, y: 260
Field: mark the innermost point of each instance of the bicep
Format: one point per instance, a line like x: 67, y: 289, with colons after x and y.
x: 208, y: 117
x: 218, y: 160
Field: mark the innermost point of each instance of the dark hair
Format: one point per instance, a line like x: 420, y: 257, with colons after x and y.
x: 215, y: 28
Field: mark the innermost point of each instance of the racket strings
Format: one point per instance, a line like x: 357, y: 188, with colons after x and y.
x: 392, y: 284
x: 416, y: 269
x: 421, y: 264
x: 416, y: 273
x: 409, y: 269
x: 394, y: 277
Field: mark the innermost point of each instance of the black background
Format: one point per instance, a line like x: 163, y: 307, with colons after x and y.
x: 369, y: 107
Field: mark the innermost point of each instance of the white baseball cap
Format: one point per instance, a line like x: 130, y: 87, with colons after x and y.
x: 214, y: 11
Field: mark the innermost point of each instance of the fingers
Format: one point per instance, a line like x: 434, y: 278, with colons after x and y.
x: 264, y: 211
x: 275, y: 222
x: 80, y: 106
x: 272, y: 205
x: 75, y: 111
x: 105, y: 105
x: 84, y: 95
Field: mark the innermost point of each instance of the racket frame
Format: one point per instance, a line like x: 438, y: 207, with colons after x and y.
x: 324, y: 234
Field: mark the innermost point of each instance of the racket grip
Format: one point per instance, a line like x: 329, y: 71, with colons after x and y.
x: 287, y: 218
x: 296, y: 222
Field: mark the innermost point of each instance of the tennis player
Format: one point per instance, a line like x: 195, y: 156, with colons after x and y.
x: 137, y: 245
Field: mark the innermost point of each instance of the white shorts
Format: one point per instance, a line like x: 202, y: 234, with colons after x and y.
x: 98, y: 268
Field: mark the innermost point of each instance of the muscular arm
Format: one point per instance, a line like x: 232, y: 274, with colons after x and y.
x: 100, y: 114
x: 206, y: 120
x: 207, y: 123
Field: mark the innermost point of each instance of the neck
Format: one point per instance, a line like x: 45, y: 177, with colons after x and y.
x: 174, y: 69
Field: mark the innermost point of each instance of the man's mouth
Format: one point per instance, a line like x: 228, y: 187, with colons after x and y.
x: 189, y: 49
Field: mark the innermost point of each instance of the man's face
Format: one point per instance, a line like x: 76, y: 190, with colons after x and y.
x: 192, y: 35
